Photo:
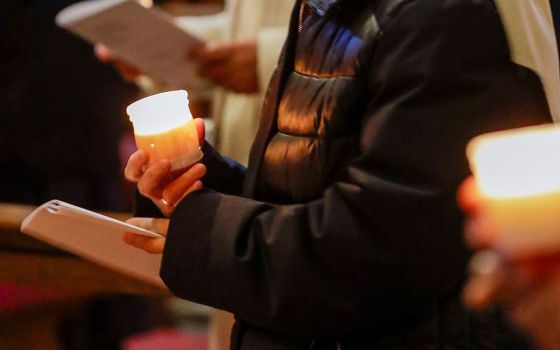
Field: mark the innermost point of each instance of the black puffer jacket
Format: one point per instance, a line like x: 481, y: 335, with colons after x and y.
x: 348, y: 234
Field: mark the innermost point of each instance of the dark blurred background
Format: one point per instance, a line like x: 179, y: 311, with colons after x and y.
x: 61, y: 114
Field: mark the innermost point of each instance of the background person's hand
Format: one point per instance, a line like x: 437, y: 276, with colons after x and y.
x: 165, y: 188
x: 231, y: 66
x: 149, y: 244
x: 127, y: 71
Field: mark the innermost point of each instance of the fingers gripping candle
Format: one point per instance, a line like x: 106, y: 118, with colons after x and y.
x: 518, y: 176
x: 164, y: 128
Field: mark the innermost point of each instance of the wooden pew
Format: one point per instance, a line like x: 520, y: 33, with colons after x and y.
x: 25, y: 260
x: 65, y: 279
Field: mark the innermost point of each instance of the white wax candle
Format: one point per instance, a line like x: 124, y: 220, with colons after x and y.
x: 164, y: 128
x: 518, y: 176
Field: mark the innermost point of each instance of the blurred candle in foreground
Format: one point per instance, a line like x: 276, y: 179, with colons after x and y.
x: 164, y: 128
x: 518, y: 175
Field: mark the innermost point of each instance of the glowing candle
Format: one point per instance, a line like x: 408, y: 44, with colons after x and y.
x: 164, y: 129
x: 518, y: 176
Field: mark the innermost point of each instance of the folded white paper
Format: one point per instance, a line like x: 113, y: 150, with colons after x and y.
x: 94, y: 237
x: 144, y: 37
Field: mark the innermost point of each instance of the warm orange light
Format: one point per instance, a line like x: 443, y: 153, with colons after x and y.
x: 518, y: 176
x: 518, y: 163
x: 164, y: 128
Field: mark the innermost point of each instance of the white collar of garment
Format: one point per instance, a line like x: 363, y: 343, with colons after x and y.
x: 530, y: 31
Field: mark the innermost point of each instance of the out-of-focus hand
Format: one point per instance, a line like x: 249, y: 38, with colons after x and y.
x: 149, y: 244
x: 528, y: 288
x: 489, y: 270
x: 165, y: 188
x: 127, y: 71
x: 231, y: 66
x: 477, y: 233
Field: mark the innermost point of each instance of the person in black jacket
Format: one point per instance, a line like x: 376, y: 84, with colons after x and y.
x: 343, y: 232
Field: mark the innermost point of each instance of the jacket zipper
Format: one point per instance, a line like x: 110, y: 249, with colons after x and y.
x: 317, y: 6
x: 301, y: 13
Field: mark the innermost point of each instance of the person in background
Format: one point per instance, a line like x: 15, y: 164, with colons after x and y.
x: 242, y: 67
x: 343, y: 232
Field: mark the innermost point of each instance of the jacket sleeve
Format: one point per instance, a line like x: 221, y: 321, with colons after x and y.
x: 223, y: 174
x: 384, y: 242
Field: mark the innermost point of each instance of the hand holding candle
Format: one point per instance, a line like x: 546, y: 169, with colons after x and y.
x: 162, y: 167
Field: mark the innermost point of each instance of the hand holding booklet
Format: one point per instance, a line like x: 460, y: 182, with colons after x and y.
x: 144, y: 37
x: 94, y: 237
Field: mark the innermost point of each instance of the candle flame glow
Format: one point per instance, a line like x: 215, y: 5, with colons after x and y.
x: 160, y: 113
x: 517, y: 163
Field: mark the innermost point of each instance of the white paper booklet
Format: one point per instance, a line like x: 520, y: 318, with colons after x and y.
x: 94, y: 237
x: 145, y: 37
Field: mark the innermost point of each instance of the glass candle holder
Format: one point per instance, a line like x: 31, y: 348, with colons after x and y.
x: 518, y: 175
x: 164, y: 129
